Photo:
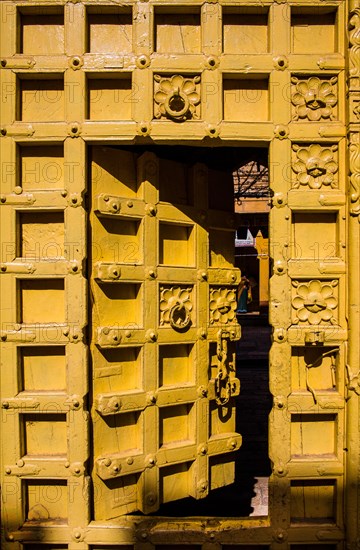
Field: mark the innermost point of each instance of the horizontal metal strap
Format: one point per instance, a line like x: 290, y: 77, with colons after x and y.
x: 113, y: 271
x: 47, y: 333
x: 115, y: 205
x: 49, y: 402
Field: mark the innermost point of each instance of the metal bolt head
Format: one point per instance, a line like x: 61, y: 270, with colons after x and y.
x: 152, y: 398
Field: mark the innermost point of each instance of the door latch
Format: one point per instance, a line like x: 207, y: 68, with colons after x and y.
x: 223, y: 385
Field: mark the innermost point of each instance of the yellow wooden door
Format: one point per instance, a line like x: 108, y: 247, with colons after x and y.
x: 163, y: 299
x: 117, y: 280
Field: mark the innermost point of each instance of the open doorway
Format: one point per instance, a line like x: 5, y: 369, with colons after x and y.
x: 247, y: 169
x: 162, y: 225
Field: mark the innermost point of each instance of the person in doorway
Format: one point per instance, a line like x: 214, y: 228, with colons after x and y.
x: 243, y: 295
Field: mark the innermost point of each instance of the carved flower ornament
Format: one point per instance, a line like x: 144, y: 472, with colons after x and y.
x: 222, y: 305
x: 314, y: 99
x: 175, y: 307
x: 315, y: 166
x: 314, y: 302
x: 176, y: 97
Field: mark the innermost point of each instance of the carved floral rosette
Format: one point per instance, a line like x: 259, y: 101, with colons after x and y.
x: 176, y: 97
x: 315, y: 166
x: 315, y: 302
x: 175, y: 307
x: 314, y: 99
x: 222, y: 305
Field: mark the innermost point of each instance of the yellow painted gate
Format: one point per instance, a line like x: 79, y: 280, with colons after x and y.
x: 119, y: 383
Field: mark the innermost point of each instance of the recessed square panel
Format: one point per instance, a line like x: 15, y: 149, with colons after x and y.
x: 246, y: 100
x: 177, y: 33
x: 174, y: 482
x: 176, y: 244
x: 313, y: 500
x: 220, y: 423
x: 42, y: 168
x: 120, y: 433
x: 119, y: 496
x: 245, y: 32
x: 176, y: 425
x: 315, y: 236
x: 109, y: 98
x: 313, y: 434
x: 42, y: 33
x: 117, y: 240
x: 176, y: 365
x: 111, y: 25
x: 46, y: 500
x: 113, y: 171
x: 222, y: 471
x: 221, y: 245
x: 121, y: 305
x: 309, y: 22
x: 42, y: 368
x: 314, y: 367
x: 44, y: 434
x: 42, y: 100
x: 118, y: 370
x: 41, y: 235
x: 42, y: 301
